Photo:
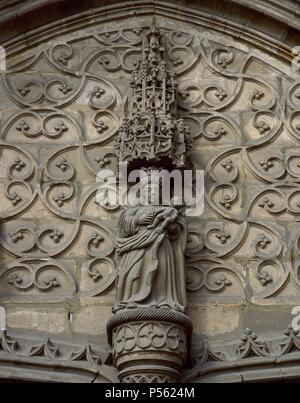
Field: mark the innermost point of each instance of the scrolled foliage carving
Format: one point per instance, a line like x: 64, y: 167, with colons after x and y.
x: 245, y: 129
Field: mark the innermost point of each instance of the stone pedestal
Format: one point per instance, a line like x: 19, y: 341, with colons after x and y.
x: 151, y: 345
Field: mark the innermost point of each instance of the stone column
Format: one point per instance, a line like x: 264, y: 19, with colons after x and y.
x: 150, y: 345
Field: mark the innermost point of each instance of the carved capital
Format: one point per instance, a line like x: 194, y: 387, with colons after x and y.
x: 151, y: 345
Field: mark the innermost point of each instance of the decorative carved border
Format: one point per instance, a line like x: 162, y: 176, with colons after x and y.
x: 50, y: 26
x: 251, y: 359
x: 32, y: 359
x: 162, y: 315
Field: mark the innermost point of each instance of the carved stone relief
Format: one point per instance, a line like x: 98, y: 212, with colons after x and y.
x: 59, y: 127
x: 248, y: 355
x: 54, y: 361
x: 152, y: 237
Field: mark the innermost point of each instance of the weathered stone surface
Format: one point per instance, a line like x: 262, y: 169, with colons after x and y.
x: 42, y: 320
x: 215, y: 320
x: 91, y: 320
x: 62, y: 101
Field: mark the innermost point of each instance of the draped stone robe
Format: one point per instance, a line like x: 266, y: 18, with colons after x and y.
x: 151, y: 270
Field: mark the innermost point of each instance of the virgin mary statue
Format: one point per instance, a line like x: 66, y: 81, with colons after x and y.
x: 151, y: 242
